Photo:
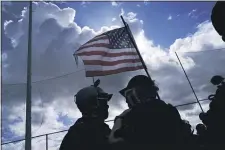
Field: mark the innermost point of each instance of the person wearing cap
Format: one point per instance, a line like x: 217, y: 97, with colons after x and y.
x: 149, y: 123
x: 89, y: 132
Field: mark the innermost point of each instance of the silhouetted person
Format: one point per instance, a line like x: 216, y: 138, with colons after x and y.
x: 149, y: 123
x: 214, y: 118
x: 201, y: 129
x: 188, y: 139
x: 201, y: 136
x: 216, y: 80
x: 89, y: 132
x: 218, y: 18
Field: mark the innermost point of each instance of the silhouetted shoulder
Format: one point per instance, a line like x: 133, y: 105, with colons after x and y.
x: 86, y: 134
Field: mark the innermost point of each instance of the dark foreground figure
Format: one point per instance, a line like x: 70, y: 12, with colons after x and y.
x: 218, y: 18
x: 149, y: 123
x: 89, y: 132
x: 214, y: 118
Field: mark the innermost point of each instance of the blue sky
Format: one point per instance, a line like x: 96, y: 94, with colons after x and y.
x: 185, y: 16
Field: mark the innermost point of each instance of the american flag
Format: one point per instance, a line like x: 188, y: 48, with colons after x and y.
x: 109, y: 53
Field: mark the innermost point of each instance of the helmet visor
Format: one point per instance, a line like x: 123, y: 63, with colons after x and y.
x: 104, y: 96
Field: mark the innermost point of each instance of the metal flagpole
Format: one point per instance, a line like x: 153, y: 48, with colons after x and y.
x: 138, y: 52
x: 28, y: 97
x: 189, y: 81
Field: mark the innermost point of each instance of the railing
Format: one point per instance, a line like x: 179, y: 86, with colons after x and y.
x: 47, y: 135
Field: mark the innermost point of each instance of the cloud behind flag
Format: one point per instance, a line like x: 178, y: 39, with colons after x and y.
x: 109, y: 53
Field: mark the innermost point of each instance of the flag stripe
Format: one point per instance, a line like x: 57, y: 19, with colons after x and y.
x: 109, y: 72
x: 105, y: 45
x: 98, y: 38
x: 110, y: 63
x: 102, y: 38
x: 106, y: 54
x: 105, y: 41
x: 103, y: 49
x: 105, y: 68
x: 100, y: 35
x: 96, y: 57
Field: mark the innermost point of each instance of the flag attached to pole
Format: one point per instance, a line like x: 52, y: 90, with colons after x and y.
x: 109, y: 53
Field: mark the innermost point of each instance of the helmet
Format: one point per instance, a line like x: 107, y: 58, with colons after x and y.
x: 139, y: 80
x: 136, y: 95
x: 90, y: 97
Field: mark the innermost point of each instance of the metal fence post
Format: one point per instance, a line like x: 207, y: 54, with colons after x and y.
x: 46, y: 141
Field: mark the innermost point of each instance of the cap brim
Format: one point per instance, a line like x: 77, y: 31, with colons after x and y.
x: 109, y: 96
x: 122, y: 92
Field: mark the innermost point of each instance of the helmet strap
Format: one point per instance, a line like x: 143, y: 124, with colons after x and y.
x: 133, y: 98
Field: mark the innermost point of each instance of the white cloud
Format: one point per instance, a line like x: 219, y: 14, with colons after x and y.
x: 199, y: 40
x: 113, y: 19
x: 138, y: 5
x: 85, y: 3
x: 4, y: 56
x: 6, y: 23
x: 169, y: 18
x: 122, y: 12
x: 146, y: 2
x: 56, y: 38
x: 131, y: 18
x: 131, y: 15
x: 192, y: 12
x: 114, y: 3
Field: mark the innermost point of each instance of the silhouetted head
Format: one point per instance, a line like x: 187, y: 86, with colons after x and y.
x: 186, y: 127
x: 200, y: 129
x: 202, y: 116
x: 218, y: 18
x: 216, y: 80
x: 92, y: 101
x: 140, y: 89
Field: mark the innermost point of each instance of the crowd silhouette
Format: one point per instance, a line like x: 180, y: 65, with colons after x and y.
x: 149, y: 123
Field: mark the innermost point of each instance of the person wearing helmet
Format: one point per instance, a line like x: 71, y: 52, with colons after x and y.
x: 89, y: 132
x: 149, y: 123
x: 140, y: 89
